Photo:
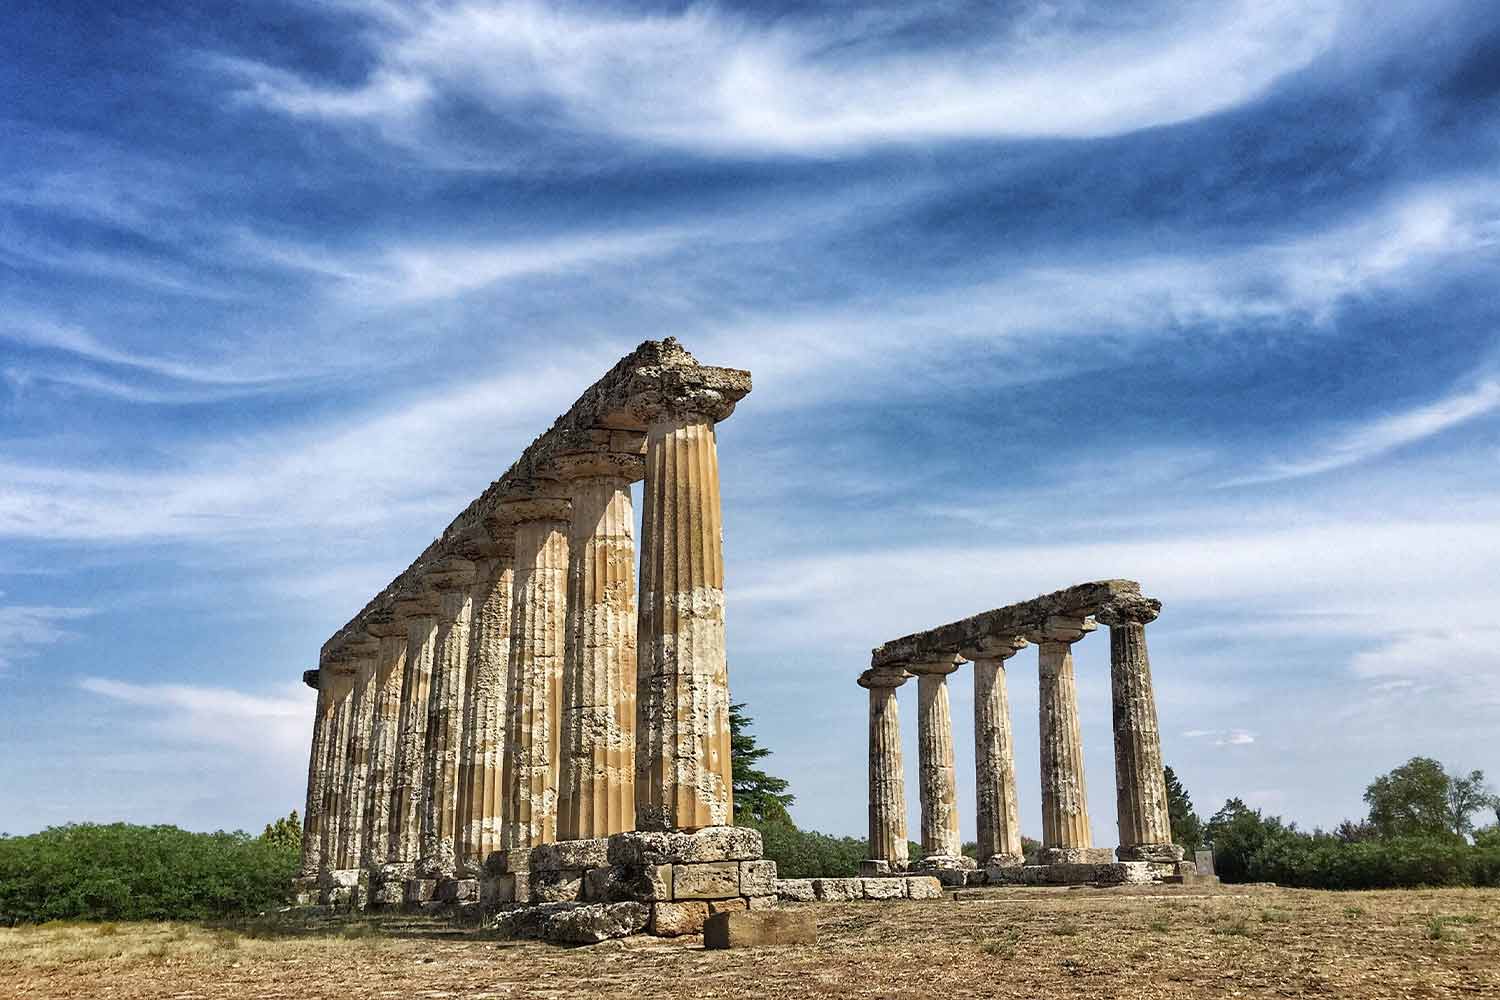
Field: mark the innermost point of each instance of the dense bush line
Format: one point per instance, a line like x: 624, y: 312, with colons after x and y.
x: 1328, y: 863
x: 122, y: 872
x: 807, y: 853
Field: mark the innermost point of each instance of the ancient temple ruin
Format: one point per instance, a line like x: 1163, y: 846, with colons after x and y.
x: 988, y: 640
x: 515, y: 688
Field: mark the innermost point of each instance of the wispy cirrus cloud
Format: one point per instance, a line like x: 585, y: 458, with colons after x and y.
x: 704, y: 80
x: 270, y: 725
x: 26, y: 630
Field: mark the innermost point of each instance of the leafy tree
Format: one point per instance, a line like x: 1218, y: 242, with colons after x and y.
x: 1238, y: 833
x: 285, y: 833
x: 1355, y: 831
x: 1411, y: 801
x: 757, y: 795
x: 1466, y: 796
x: 1187, y: 826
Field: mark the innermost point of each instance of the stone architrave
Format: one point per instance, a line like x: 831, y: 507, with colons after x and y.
x: 597, y: 777
x: 481, y: 796
x: 888, y: 841
x: 1066, y: 835
x: 445, y: 712
x: 357, y: 770
x: 420, y: 613
x: 390, y: 669
x: 997, y: 813
x: 1140, y: 784
x: 317, y: 776
x: 942, y: 843
x: 683, y: 778
x: 538, y: 627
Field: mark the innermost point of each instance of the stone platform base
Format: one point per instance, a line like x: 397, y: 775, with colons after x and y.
x: 1113, y: 873
x: 1076, y: 856
x: 348, y: 887
x: 679, y: 879
x: 838, y: 890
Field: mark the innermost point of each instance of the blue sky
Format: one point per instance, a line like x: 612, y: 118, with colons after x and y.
x: 1201, y: 294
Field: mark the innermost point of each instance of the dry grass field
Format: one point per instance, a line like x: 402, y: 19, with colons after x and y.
x: 1254, y: 942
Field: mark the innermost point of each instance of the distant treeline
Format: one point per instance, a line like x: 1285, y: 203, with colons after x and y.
x: 116, y: 871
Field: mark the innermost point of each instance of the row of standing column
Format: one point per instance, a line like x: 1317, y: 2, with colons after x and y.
x: 509, y: 704
x: 1144, y: 825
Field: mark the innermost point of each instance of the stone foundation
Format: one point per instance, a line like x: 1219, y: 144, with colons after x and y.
x: 678, y: 880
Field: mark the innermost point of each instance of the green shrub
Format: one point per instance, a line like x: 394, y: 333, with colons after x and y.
x: 1407, y: 863
x: 121, y: 872
x: 807, y: 853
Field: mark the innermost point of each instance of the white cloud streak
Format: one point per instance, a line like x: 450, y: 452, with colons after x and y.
x: 26, y: 630
x: 705, y: 81
x: 272, y: 726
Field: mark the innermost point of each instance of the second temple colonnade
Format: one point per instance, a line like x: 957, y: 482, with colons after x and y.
x: 513, y: 686
x: 988, y: 640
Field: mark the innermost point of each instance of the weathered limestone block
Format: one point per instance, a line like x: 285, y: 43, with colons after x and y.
x: 758, y: 878
x: 682, y: 763
x: 512, y: 888
x: 837, y: 890
x: 591, y: 853
x: 539, y: 625
x: 595, y: 922
x: 717, y: 843
x: 761, y: 902
x: 1065, y: 812
x: 557, y: 886
x: 645, y: 883
x: 883, y: 888
x: 481, y: 797
x: 508, y: 862
x: 727, y: 905
x: 939, y: 793
x: 872, y: 868
x: 457, y: 890
x: 421, y: 890
x: 798, y: 890
x: 445, y: 709
x: 678, y: 918
x: 923, y: 887
x: 1140, y: 788
x: 1076, y: 856
x: 711, y: 880
x: 597, y: 779
x: 757, y: 929
x: 888, y: 844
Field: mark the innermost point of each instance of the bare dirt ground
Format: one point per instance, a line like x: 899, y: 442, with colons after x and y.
x: 1238, y: 942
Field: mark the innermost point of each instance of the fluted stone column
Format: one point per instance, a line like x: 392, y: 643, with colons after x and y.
x: 942, y: 844
x: 317, y: 776
x: 597, y: 781
x: 1140, y: 783
x: 538, y: 628
x: 682, y: 763
x: 420, y: 613
x: 479, y: 789
x: 888, y: 842
x: 390, y: 669
x: 357, y: 771
x: 341, y: 691
x: 445, y: 713
x: 1066, y: 836
x: 997, y: 813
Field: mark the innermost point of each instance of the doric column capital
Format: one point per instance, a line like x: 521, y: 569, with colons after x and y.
x: 937, y: 667
x: 449, y: 573
x: 414, y: 604
x: 884, y: 677
x: 543, y: 503
x: 384, y: 622
x: 994, y: 648
x: 1062, y: 628
x: 1135, y: 610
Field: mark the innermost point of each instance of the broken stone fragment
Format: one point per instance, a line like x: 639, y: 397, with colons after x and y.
x: 760, y: 928
x: 714, y: 843
x: 923, y: 887
x: 836, y: 890
x: 798, y: 890
x: 883, y: 888
x: 758, y: 878
x: 676, y: 919
x: 594, y: 922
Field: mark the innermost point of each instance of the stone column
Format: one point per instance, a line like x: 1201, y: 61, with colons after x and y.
x: 942, y: 844
x: 390, y: 669
x: 317, y: 777
x: 1140, y: 784
x: 682, y: 760
x: 888, y: 844
x: 1066, y: 837
x: 479, y: 789
x: 996, y: 811
x: 420, y: 612
x: 538, y: 627
x: 597, y: 781
x: 451, y: 579
x: 341, y: 692
x: 356, y: 774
